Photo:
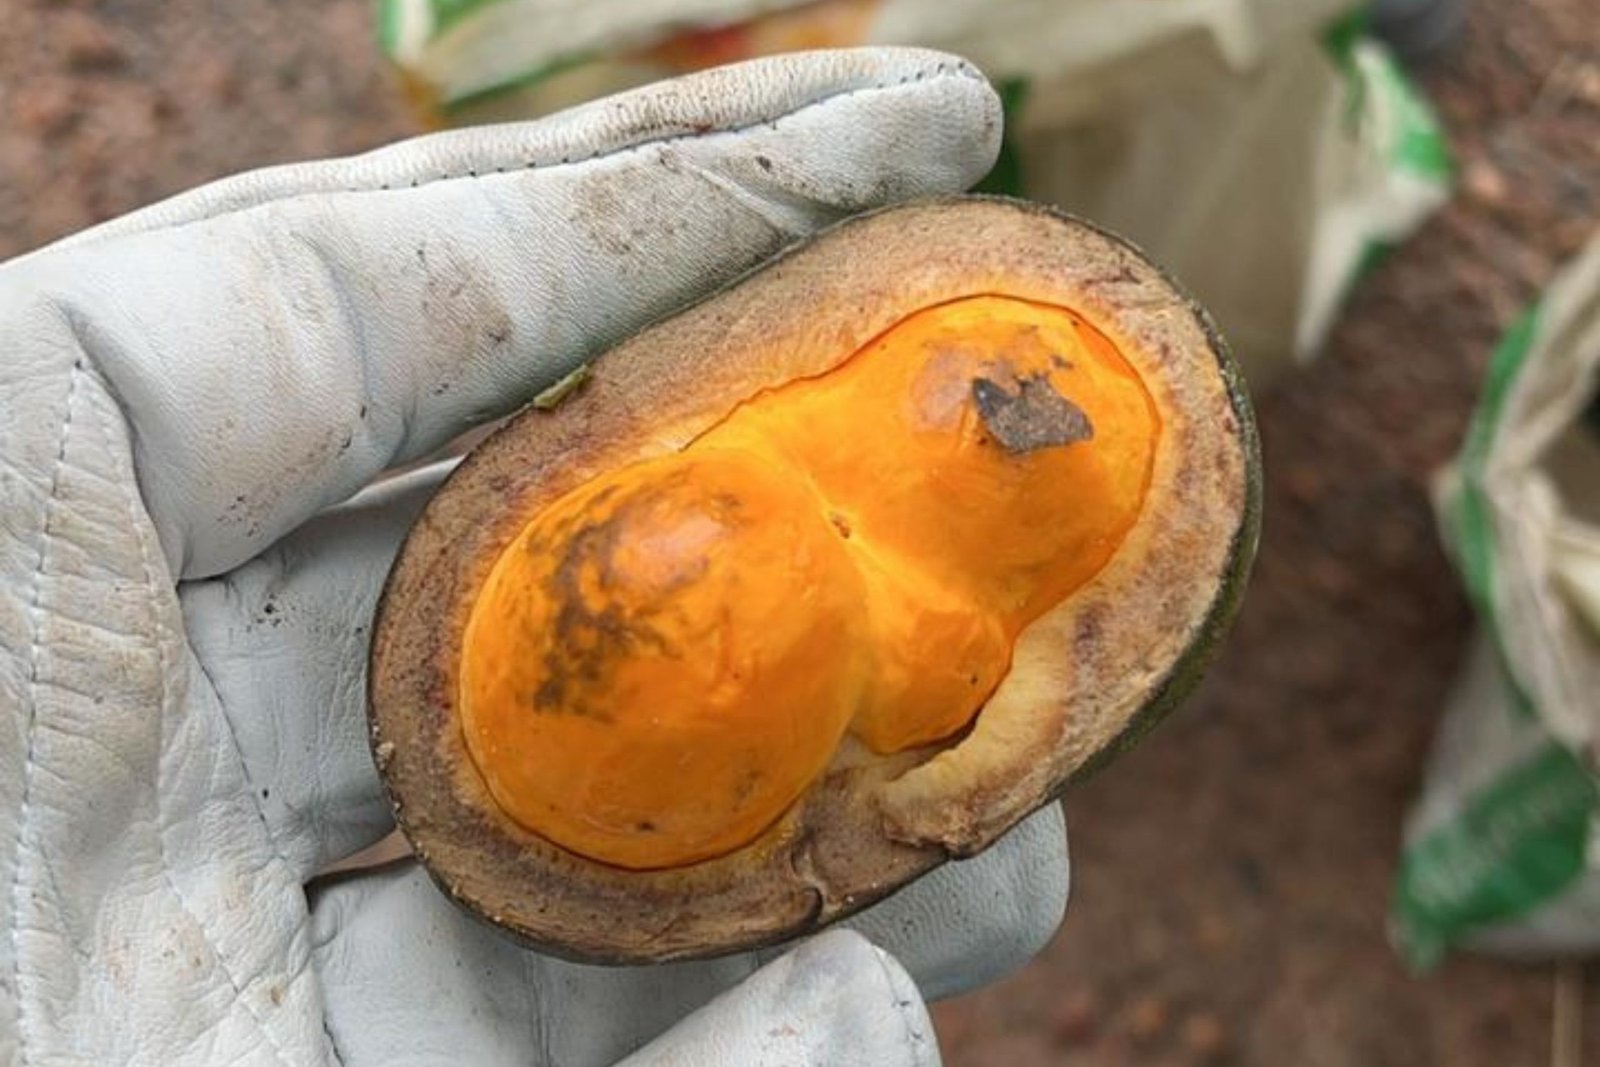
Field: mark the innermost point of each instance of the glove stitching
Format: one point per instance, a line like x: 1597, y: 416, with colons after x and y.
x: 333, y: 1046
x: 251, y: 790
x: 958, y: 69
x: 35, y: 684
x: 166, y: 701
x: 916, y: 1039
x: 532, y: 966
x: 961, y: 69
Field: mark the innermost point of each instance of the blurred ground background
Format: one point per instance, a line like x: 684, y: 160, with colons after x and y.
x: 1232, y: 875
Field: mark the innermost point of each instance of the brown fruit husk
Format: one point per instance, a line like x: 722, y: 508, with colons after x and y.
x: 1087, y: 678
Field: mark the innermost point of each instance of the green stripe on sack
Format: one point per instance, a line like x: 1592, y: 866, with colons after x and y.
x: 440, y: 14
x: 1419, y: 145
x: 388, y: 25
x: 1370, y: 69
x: 1339, y: 39
x: 1340, y: 36
x: 1515, y: 845
x: 1373, y: 253
x: 1523, y: 838
x: 1005, y: 177
x: 523, y: 80
x: 447, y: 13
x: 1473, y: 532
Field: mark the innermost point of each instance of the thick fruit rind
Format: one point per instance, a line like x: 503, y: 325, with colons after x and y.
x: 873, y: 823
x: 1188, y: 671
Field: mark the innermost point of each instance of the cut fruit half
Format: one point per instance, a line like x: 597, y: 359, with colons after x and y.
x: 833, y: 576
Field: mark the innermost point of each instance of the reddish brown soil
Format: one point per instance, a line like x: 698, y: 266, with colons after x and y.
x: 1232, y: 876
x: 108, y: 106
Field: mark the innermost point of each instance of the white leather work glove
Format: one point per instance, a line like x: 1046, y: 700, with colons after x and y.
x: 190, y: 396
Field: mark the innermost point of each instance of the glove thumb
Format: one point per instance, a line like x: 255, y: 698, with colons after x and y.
x: 836, y: 1001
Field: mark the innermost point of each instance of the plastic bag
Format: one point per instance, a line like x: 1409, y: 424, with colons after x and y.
x: 1265, y: 150
x: 1502, y: 851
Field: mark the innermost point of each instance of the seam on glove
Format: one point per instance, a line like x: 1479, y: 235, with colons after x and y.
x: 35, y: 647
x: 962, y: 69
x: 333, y: 1046
x: 165, y: 707
x: 532, y: 967
x: 251, y: 790
x: 916, y: 1038
x: 959, y: 68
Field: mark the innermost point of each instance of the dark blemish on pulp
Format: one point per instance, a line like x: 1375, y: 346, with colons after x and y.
x: 1032, y: 418
x: 591, y: 638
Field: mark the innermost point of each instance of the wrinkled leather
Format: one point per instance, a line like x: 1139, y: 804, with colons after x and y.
x: 836, y: 1000
x: 189, y: 398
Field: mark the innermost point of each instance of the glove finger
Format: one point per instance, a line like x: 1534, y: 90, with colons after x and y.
x: 278, y: 339
x: 409, y: 978
x: 283, y: 642
x: 967, y: 924
x: 835, y: 1001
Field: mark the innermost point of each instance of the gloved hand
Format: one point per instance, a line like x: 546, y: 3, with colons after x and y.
x: 187, y: 395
